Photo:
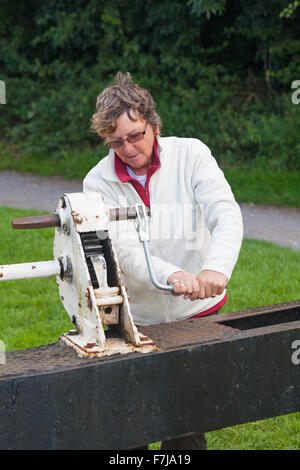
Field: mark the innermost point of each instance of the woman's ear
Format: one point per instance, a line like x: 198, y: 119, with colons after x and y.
x: 156, y: 131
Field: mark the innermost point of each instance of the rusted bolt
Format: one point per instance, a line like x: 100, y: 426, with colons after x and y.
x: 76, y: 217
x: 1, y: 274
x: 33, y: 267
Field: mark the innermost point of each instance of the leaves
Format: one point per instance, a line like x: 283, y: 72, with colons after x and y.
x: 220, y: 71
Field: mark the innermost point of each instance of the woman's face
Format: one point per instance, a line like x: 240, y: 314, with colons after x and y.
x: 137, y: 155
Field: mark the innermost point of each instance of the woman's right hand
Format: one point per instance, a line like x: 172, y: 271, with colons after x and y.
x: 185, y: 284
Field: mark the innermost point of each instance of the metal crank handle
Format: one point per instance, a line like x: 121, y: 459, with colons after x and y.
x: 144, y: 238
x: 154, y: 281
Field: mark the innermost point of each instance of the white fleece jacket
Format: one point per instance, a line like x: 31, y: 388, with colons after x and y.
x: 195, y: 224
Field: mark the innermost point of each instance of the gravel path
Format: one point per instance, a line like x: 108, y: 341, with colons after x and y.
x: 280, y: 225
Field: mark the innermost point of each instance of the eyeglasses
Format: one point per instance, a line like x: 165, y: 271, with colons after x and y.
x: 131, y: 139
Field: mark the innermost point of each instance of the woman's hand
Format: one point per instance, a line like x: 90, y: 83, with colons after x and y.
x: 185, y: 284
x: 206, y: 284
x: 211, y: 283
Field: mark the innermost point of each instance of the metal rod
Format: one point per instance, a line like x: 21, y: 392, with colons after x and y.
x: 53, y: 220
x: 154, y: 281
x: 37, y: 221
x: 124, y: 213
x: 144, y: 238
x: 13, y: 272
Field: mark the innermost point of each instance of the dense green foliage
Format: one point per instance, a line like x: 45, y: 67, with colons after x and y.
x: 220, y: 70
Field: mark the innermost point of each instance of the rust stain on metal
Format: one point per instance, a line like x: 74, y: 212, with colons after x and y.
x: 221, y: 327
x: 187, y: 332
x: 76, y: 217
x: 33, y: 267
x: 144, y: 338
x: 1, y: 274
x: 114, y: 346
x: 88, y: 296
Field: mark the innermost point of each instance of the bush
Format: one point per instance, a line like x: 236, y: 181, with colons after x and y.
x: 220, y: 71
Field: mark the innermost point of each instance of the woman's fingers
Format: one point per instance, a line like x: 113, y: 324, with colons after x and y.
x: 212, y: 283
x: 206, y: 284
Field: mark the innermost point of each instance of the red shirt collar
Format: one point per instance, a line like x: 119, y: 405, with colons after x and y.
x: 121, y: 170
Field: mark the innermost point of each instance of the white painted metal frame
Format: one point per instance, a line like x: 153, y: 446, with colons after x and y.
x: 87, y: 307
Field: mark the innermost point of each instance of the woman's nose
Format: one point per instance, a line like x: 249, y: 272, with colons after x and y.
x: 128, y: 148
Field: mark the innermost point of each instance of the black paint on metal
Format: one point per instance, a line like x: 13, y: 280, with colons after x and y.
x: 215, y: 376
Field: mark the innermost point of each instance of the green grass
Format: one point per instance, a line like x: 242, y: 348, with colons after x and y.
x: 31, y: 313
x: 265, y: 274
x: 73, y: 164
x: 265, y: 186
x: 253, y: 185
x: 279, y: 433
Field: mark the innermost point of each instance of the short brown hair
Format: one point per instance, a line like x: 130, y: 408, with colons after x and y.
x: 123, y: 95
